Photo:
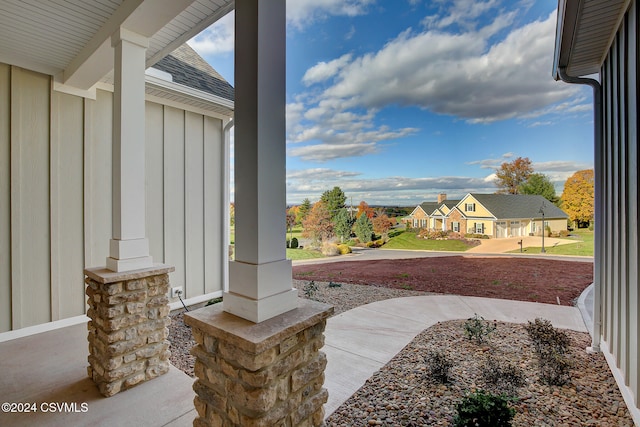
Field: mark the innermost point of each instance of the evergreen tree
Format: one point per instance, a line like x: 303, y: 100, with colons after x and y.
x: 303, y: 211
x: 342, y: 225
x: 364, y: 228
x: 334, y: 200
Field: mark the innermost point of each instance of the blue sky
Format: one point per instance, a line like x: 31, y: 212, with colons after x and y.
x: 397, y: 101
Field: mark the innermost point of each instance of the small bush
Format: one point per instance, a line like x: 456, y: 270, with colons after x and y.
x: 503, y: 378
x: 344, y: 249
x: 546, y: 338
x: 438, y: 366
x: 478, y: 329
x: 310, y: 289
x: 481, y: 409
x: 294, y: 243
x: 564, y: 233
x: 551, y: 345
x: 330, y: 249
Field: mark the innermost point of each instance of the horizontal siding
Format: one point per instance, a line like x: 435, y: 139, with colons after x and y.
x: 55, y: 196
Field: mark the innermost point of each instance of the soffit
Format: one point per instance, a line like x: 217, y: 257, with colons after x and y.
x: 60, y: 37
x: 585, y: 30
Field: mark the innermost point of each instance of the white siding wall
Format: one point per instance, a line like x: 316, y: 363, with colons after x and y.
x: 55, y: 196
x: 618, y: 225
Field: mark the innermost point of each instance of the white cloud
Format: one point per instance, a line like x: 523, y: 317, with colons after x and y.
x: 325, y: 70
x: 393, y: 190
x: 300, y: 12
x: 216, y: 39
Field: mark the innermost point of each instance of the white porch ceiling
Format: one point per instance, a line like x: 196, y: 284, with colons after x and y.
x: 71, y: 39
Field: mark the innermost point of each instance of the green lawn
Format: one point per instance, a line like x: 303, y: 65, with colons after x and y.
x: 583, y: 245
x: 408, y: 240
x: 297, y: 254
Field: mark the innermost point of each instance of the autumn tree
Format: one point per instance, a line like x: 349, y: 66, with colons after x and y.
x: 539, y: 184
x: 364, y: 208
x: 318, y: 225
x: 578, y: 196
x: 334, y: 200
x: 510, y: 175
x: 381, y: 224
x: 363, y: 228
x: 303, y: 210
x: 342, y: 225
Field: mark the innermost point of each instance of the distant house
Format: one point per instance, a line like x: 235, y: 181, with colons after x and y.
x: 494, y: 215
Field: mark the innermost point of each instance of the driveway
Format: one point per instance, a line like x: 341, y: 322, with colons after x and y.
x: 497, y: 246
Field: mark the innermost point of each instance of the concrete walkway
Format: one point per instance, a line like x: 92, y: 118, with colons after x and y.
x: 361, y: 341
x: 51, y: 367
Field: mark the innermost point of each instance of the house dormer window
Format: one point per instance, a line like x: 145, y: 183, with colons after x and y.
x: 469, y: 207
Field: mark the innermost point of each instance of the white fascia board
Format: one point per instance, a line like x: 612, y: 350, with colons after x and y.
x: 176, y: 88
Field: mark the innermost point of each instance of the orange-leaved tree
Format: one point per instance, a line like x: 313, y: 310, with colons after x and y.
x: 578, y: 196
x: 318, y: 225
x: 510, y: 175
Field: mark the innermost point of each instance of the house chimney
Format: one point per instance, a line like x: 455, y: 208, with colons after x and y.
x: 442, y: 197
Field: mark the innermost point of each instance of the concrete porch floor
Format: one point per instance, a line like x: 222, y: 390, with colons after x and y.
x: 51, y: 367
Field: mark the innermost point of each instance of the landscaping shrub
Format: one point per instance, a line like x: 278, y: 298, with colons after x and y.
x: 438, y: 366
x: 344, y: 249
x: 478, y: 329
x: 551, y: 345
x: 500, y: 377
x: 564, y: 233
x: 294, y: 243
x: 213, y: 301
x: 330, y: 249
x: 310, y: 289
x: 480, y: 409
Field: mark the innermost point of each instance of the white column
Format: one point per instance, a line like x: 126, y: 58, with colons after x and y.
x: 129, y: 247
x: 260, y: 277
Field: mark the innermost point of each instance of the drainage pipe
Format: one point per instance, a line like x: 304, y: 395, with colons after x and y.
x: 599, y: 207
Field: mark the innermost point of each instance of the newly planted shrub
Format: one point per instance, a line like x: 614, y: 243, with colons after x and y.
x: 294, y: 243
x: 438, y: 366
x: 310, y: 289
x: 500, y: 377
x: 478, y: 329
x: 480, y: 409
x: 551, y: 346
x: 344, y: 249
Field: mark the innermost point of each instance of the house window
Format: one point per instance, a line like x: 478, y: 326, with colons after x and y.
x: 479, y: 228
x: 469, y: 207
x: 455, y: 226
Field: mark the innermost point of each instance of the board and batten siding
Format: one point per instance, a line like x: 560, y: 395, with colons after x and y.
x: 55, y: 196
x: 619, y: 219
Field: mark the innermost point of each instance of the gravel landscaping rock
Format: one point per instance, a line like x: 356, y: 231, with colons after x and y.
x: 403, y: 394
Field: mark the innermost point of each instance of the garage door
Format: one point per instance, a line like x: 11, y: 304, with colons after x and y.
x: 515, y: 228
x: 501, y: 229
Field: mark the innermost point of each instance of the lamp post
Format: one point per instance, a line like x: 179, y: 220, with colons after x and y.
x: 543, y: 228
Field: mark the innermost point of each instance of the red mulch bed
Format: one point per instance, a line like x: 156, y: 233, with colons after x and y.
x: 522, y: 279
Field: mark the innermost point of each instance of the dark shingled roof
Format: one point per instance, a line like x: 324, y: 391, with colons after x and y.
x: 429, y: 207
x: 189, y: 69
x: 507, y: 206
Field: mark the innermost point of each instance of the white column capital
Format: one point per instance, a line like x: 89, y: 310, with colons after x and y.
x: 129, y: 36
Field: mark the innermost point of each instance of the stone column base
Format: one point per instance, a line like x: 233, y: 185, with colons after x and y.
x: 128, y: 332
x: 260, y: 374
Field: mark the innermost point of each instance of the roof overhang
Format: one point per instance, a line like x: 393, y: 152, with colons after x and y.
x: 72, y: 41
x: 584, y: 32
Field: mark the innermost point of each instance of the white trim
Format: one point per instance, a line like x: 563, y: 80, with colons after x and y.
x: 627, y: 393
x: 188, y: 91
x: 43, y: 327
x: 195, y: 300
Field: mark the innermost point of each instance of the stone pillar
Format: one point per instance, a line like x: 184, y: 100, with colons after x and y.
x: 266, y: 374
x: 260, y: 277
x: 128, y: 328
